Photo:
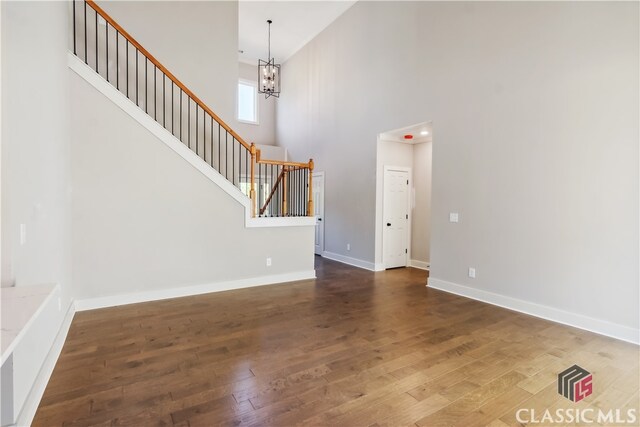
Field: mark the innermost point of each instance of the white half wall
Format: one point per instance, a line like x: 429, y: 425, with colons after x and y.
x: 536, y: 141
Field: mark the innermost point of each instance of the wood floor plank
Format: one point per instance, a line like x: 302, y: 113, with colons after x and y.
x: 351, y: 348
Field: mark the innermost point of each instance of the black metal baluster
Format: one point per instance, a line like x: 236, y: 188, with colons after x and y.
x: 97, y: 68
x: 137, y: 78
x: 226, y: 153
x: 86, y: 61
x: 127, y: 61
x: 106, y: 41
x: 181, y: 114
x: 172, y: 107
x: 155, y: 93
x: 164, y: 84
x: 74, y: 28
x: 233, y: 158
x: 219, y: 144
x: 204, y: 133
x: 260, y: 187
x: 189, y: 121
x: 117, y: 61
x: 146, y: 85
x: 211, y: 159
x: 197, y: 128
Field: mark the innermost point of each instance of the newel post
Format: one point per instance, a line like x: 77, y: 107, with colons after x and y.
x: 310, y: 205
x: 252, y: 191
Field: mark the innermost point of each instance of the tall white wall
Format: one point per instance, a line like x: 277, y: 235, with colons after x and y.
x: 196, y: 40
x: 35, y: 181
x: 264, y: 132
x: 36, y: 173
x: 421, y: 221
x: 146, y: 220
x: 536, y: 111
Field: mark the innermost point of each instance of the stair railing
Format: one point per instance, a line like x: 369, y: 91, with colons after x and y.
x: 115, y: 55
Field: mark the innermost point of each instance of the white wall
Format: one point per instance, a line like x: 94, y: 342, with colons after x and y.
x: 148, y: 220
x: 264, y: 132
x: 35, y: 158
x: 36, y: 174
x: 196, y: 40
x: 537, y: 140
x: 421, y: 221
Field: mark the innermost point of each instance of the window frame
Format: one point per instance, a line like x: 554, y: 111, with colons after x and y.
x: 254, y: 85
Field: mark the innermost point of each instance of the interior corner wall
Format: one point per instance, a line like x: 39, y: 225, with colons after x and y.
x: 421, y: 218
x: 264, y: 133
x: 196, y: 40
x: 35, y: 182
x: 537, y: 140
x: 36, y: 177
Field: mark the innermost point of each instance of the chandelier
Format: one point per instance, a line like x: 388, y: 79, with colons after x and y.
x: 269, y: 73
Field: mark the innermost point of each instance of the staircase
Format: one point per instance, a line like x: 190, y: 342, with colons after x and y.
x: 275, y: 188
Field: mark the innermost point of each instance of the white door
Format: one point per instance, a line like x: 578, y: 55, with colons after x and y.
x: 396, y: 218
x: 318, y: 210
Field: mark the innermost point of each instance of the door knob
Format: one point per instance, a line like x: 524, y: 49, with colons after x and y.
x: 388, y: 224
x: 319, y: 219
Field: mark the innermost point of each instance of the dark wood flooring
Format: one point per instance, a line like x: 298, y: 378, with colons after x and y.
x: 352, y: 348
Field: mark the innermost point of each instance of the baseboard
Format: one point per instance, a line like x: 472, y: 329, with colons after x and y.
x: 590, y: 324
x: 355, y: 262
x: 422, y: 265
x: 37, y: 390
x: 185, y: 291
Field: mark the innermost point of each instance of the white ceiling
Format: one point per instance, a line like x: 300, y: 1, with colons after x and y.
x: 295, y: 23
x: 398, y: 135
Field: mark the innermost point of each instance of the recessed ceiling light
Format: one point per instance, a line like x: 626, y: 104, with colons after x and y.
x: 424, y: 132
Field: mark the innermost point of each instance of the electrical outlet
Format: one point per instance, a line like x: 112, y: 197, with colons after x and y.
x: 268, y: 262
x: 348, y: 246
x: 472, y: 272
x: 453, y: 217
x: 23, y: 234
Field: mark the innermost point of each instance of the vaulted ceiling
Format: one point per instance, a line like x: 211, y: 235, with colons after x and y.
x: 295, y: 23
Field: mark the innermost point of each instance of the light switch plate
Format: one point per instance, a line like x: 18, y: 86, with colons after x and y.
x: 453, y: 217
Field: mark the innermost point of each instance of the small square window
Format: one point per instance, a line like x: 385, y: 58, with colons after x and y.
x: 247, y: 102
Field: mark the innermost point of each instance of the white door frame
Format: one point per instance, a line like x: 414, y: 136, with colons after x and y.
x: 410, y: 178
x: 316, y: 175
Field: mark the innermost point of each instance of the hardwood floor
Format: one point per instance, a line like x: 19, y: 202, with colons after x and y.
x: 352, y: 348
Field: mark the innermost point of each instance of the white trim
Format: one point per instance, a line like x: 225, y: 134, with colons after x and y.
x: 129, y: 107
x: 292, y: 221
x: 598, y: 326
x: 37, y: 390
x: 385, y: 169
x: 422, y: 265
x: 355, y: 262
x: 184, y: 291
x: 316, y: 176
x: 256, y: 103
x: 55, y: 291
